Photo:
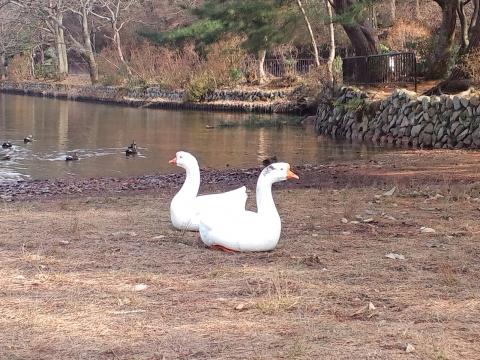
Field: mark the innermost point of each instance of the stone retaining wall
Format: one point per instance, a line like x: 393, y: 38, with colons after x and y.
x: 268, y: 101
x: 403, y: 119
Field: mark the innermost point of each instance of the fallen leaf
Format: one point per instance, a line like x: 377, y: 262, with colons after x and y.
x: 369, y: 220
x: 344, y: 220
x: 390, y: 192
x: 395, y: 256
x: 158, y: 237
x: 409, y: 348
x: 371, y: 307
x: 427, y: 230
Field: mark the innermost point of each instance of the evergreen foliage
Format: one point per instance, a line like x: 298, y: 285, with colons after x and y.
x: 263, y: 23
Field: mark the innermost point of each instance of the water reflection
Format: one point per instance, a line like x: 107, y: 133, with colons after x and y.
x: 100, y: 134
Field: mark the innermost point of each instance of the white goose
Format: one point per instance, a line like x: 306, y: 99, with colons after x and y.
x: 186, y: 206
x: 249, y: 231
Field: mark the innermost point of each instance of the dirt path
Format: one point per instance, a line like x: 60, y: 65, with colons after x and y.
x: 104, y: 276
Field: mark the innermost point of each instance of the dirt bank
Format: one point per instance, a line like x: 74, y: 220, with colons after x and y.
x: 105, y: 276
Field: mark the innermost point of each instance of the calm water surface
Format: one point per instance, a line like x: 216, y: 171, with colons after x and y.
x: 100, y: 133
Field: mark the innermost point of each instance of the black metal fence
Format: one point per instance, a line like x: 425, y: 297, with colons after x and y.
x: 283, y: 67
x: 385, y: 68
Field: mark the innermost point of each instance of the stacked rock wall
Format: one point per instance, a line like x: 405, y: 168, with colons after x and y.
x: 263, y: 101
x: 402, y: 119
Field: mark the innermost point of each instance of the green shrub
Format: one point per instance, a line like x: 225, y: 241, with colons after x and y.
x: 199, y: 86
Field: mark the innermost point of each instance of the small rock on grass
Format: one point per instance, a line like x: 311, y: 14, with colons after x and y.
x: 427, y: 230
x: 241, y: 307
x: 409, y: 348
x: 344, y: 220
x: 139, y: 287
x: 395, y: 256
x: 371, y: 307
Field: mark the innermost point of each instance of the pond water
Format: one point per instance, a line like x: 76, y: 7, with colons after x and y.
x: 100, y: 134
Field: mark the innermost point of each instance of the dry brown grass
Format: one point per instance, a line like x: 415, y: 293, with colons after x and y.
x: 68, y: 268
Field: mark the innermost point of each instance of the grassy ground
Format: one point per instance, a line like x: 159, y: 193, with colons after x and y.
x: 108, y: 278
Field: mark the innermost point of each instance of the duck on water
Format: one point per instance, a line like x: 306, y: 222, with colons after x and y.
x: 132, y: 149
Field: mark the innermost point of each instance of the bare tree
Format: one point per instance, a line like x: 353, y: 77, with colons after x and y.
x: 14, y: 36
x: 83, y: 10
x: 393, y: 11
x: 331, y: 33
x: 51, y: 14
x: 116, y: 14
x: 310, y: 33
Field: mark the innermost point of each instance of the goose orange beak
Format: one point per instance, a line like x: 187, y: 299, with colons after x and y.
x: 173, y: 161
x: 292, y: 175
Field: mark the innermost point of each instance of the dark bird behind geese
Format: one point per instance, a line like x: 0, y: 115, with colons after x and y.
x: 269, y: 161
x: 7, y: 145
x: 28, y: 139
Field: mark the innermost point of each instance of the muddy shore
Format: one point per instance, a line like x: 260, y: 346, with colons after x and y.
x: 407, y: 166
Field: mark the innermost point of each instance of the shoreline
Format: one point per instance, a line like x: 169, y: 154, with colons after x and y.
x: 405, y: 167
x: 232, y: 100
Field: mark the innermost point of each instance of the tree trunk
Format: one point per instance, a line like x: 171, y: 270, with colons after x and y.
x: 463, y: 26
x: 417, y: 9
x: 331, y: 33
x: 460, y: 78
x: 444, y: 44
x: 118, y: 43
x: 3, y: 70
x: 393, y: 11
x: 88, y: 53
x: 373, y: 16
x: 262, y: 77
x: 62, y: 60
x: 362, y: 37
x: 310, y: 32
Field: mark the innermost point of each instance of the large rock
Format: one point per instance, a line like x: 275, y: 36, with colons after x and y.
x: 462, y: 135
x: 429, y: 128
x: 457, y: 105
x: 416, y: 130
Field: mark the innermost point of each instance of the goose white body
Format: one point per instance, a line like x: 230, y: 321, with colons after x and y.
x: 186, y: 206
x: 247, y: 230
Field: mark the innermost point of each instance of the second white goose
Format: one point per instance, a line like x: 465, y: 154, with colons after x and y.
x: 186, y: 206
x: 247, y: 230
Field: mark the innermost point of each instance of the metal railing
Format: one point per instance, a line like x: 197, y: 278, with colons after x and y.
x: 385, y: 68
x: 281, y: 67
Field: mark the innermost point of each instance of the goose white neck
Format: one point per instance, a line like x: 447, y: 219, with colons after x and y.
x: 192, y: 181
x: 265, y: 203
